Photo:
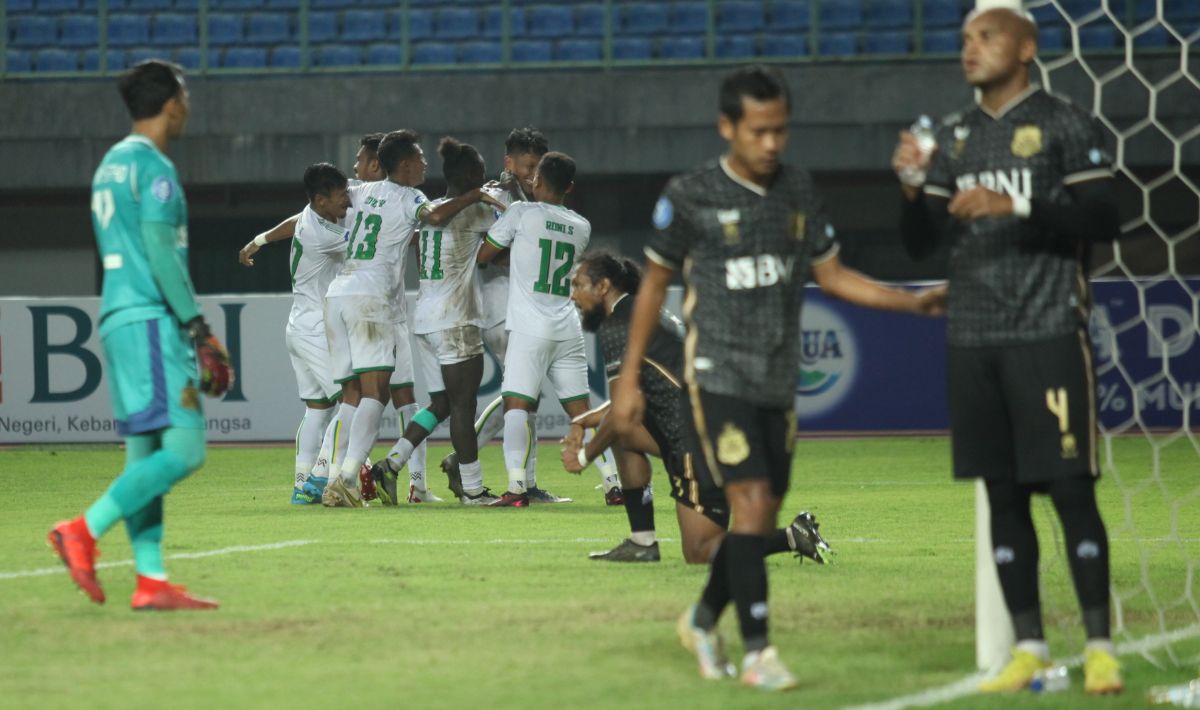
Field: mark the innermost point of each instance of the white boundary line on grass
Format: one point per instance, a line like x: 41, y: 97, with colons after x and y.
x: 969, y: 685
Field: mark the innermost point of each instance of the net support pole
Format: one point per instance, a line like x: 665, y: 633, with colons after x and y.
x: 994, y: 636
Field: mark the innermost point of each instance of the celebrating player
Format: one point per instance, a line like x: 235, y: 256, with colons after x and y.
x: 153, y: 333
x: 603, y: 289
x: 1021, y: 186
x: 748, y: 229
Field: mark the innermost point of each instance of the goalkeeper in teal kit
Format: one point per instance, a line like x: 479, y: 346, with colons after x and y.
x: 153, y: 335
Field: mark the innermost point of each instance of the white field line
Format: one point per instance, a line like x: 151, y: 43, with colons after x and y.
x: 969, y: 685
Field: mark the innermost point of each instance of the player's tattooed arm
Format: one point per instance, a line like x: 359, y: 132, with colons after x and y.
x: 284, y: 230
x: 849, y: 285
x: 628, y: 403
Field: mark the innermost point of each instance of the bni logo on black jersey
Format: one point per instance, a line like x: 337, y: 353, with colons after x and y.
x: 1017, y: 182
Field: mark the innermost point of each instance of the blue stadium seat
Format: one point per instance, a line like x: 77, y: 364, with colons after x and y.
x: 688, y: 18
x: 269, y: 28
x: 127, y: 30
x: 420, y: 25
x: 790, y: 15
x: 141, y: 54
x: 224, y: 28
x: 632, y: 48
x: 55, y: 60
x: 283, y: 5
x: 682, y: 47
x: 385, y: 53
x: 191, y: 5
x: 189, y: 57
x: 788, y: 45
x: 481, y: 52
x: 1181, y: 11
x: 887, y: 43
x: 91, y: 60
x: 363, y: 26
x: 531, y: 50
x: 735, y: 46
x: 837, y: 44
x: 285, y: 57
x: 589, y: 21
x: 52, y: 6
x: 1155, y: 38
x: 386, y: 4
x: 18, y: 61
x: 233, y: 5
x: 1047, y: 16
x: 34, y: 31
x: 322, y: 27
x: 78, y: 31
x: 17, y: 6
x: 1052, y: 39
x: 549, y: 21
x: 740, y: 16
x: 644, y: 18
x: 841, y: 14
x: 941, y: 42
x: 331, y: 4
x: 1079, y: 8
x: 941, y: 13
x: 435, y: 53
x: 579, y: 50
x: 456, y: 23
x: 493, y: 16
x: 889, y: 14
x: 173, y: 30
x: 149, y: 5
x: 245, y: 58
x: 1100, y: 35
x: 338, y: 55
x: 113, y: 5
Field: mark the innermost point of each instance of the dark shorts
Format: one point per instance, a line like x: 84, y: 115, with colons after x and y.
x: 740, y: 441
x: 691, y: 484
x: 1024, y: 412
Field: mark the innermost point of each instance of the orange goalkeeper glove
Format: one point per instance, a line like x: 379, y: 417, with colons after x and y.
x: 216, y: 371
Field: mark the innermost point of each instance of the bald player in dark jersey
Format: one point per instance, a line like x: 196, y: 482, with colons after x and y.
x: 1021, y: 185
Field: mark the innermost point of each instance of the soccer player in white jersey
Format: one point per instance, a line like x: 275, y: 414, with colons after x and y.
x: 545, y: 337
x: 318, y: 250
x: 358, y: 305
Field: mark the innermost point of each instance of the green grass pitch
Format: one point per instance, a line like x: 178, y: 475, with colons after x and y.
x: 444, y: 606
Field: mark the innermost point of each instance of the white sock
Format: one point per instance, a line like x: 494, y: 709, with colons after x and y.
x: 399, y: 455
x: 1041, y: 649
x: 531, y: 467
x: 341, y: 440
x: 416, y: 466
x: 472, y: 477
x: 605, y: 464
x: 363, y: 434
x: 490, y: 423
x: 516, y: 448
x: 645, y: 538
x: 325, y: 456
x: 308, y: 441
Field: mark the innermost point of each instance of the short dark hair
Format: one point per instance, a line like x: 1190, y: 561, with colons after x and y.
x: 558, y: 170
x: 396, y: 147
x: 147, y: 86
x: 621, y: 271
x: 322, y: 179
x: 371, y: 141
x: 758, y: 82
x: 526, y: 140
x: 458, y: 159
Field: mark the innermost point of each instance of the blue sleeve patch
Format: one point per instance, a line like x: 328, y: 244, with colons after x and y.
x: 162, y: 188
x: 664, y: 213
x: 419, y: 198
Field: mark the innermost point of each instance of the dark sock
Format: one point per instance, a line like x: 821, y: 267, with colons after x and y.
x: 747, y: 572
x: 715, y: 596
x: 1015, y: 552
x: 1087, y: 550
x: 639, y: 508
x: 777, y: 542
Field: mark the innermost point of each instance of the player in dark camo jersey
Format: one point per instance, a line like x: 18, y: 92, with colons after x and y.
x: 744, y: 231
x: 1020, y: 185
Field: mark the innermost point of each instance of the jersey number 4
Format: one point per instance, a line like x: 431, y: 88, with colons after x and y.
x: 560, y: 284
x: 366, y: 248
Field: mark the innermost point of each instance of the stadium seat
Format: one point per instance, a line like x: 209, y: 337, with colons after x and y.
x: 141, y: 54
x: 330, y: 4
x: 1100, y: 35
x: 790, y: 15
x: 1155, y: 38
x: 55, y: 60
x: 385, y: 53
x: 91, y: 60
x: 18, y: 61
x: 552, y: 21
x: 127, y: 30
x: 285, y: 57
x: 385, y: 4
x: 363, y: 26
x: 284, y: 5
x: 941, y: 42
x: 420, y: 25
x: 837, y: 44
x: 841, y: 14
x: 53, y: 6
x: 338, y: 55
x: 189, y: 57
x: 740, y: 16
x: 34, y: 31
x: 688, y: 18
x: 531, y: 50
x: 887, y: 43
x: 1052, y: 39
x: 632, y: 48
x: 78, y: 31
x: 492, y: 22
x: 18, y: 6
x: 225, y: 28
x: 434, y: 53
x: 735, y: 46
x: 234, y: 5
x: 889, y: 14
x: 322, y: 27
x: 481, y: 52
x: 1078, y: 8
x: 682, y: 48
x: 149, y: 5
x: 1181, y: 11
x: 269, y: 28
x: 1047, y: 16
x: 579, y: 50
x: 245, y: 58
x: 190, y: 5
x: 644, y: 18
x: 589, y: 21
x: 456, y: 23
x: 941, y: 13
x: 173, y: 30
x: 113, y: 5
x: 788, y: 45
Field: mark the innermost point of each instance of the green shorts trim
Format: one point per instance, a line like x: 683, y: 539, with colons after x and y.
x: 382, y: 368
x: 401, y: 385
x: 576, y: 398
x: 344, y: 380
x: 518, y: 395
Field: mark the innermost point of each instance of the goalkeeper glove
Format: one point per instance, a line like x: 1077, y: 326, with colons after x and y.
x: 216, y: 372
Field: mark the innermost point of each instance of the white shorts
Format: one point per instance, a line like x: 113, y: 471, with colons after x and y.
x: 445, y: 347
x: 531, y: 359
x: 496, y: 340
x: 402, y: 376
x: 360, y: 334
x: 310, y: 361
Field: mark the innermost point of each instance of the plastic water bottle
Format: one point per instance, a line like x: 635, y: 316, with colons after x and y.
x: 922, y: 130
x: 1054, y: 679
x: 1186, y: 695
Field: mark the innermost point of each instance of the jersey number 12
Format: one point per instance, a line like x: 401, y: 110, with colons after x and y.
x: 560, y: 284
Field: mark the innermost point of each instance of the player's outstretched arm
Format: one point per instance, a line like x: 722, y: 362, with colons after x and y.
x: 284, y: 230
x: 849, y: 285
x: 443, y: 213
x: 628, y: 404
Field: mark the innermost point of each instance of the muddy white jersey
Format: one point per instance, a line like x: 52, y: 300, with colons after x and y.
x: 382, y: 218
x: 449, y: 285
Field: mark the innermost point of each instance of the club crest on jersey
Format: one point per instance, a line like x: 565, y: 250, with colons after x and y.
x: 732, y: 446
x: 162, y: 188
x: 1027, y: 141
x: 798, y: 222
x: 664, y: 213
x: 729, y: 220
x: 961, y: 134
